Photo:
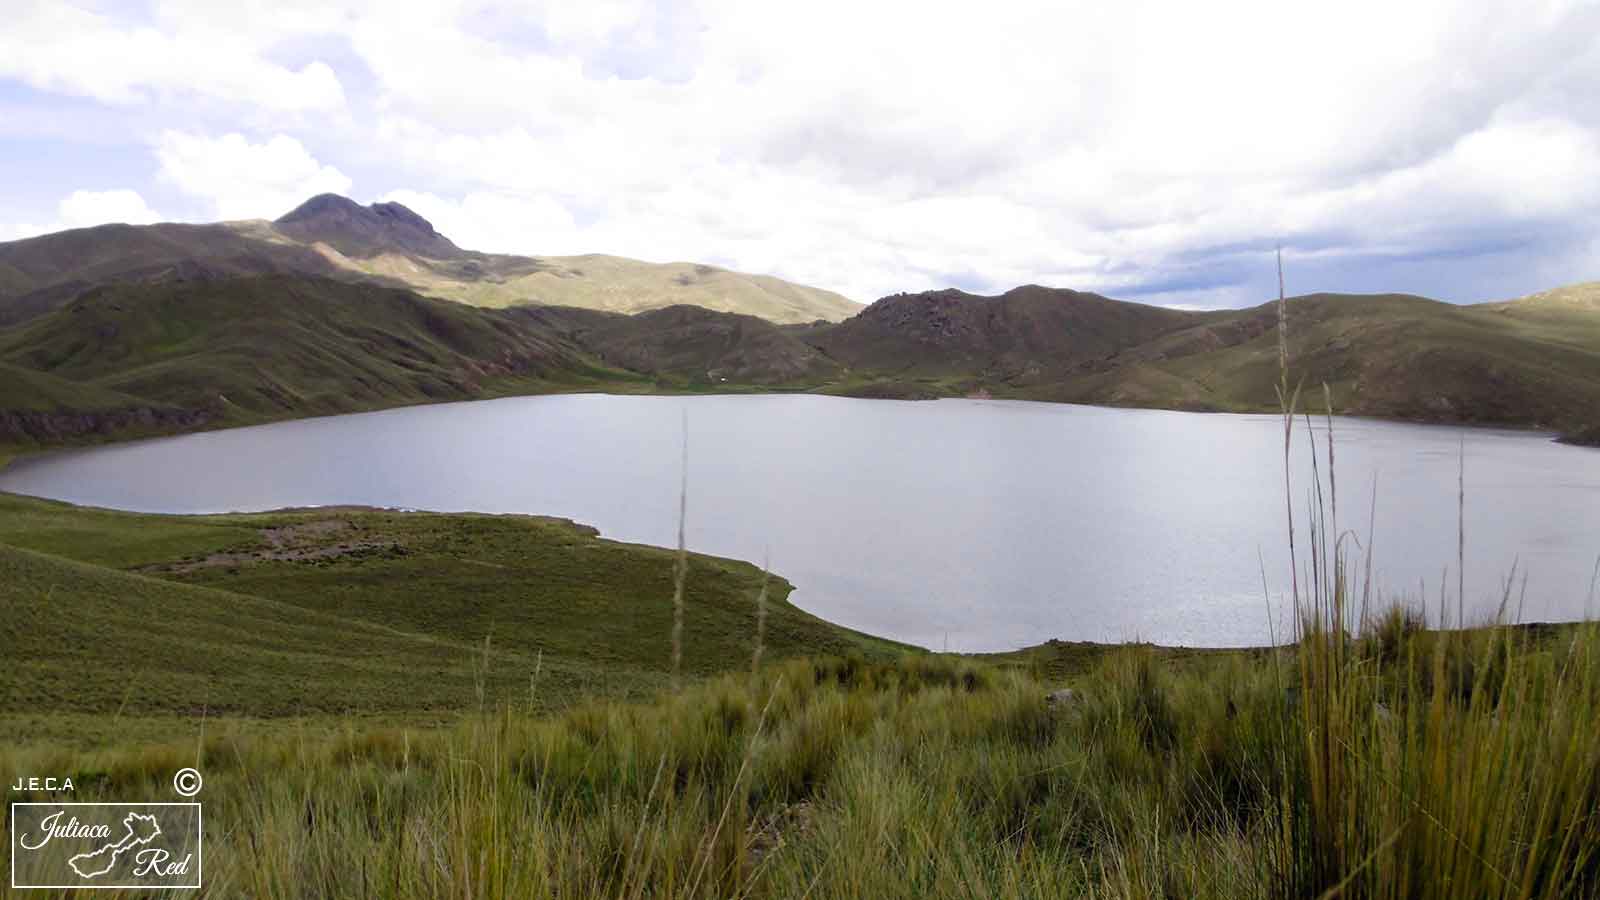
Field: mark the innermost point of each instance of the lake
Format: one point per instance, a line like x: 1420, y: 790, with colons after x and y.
x: 968, y: 524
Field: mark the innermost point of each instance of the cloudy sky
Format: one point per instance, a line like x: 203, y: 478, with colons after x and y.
x: 1153, y: 151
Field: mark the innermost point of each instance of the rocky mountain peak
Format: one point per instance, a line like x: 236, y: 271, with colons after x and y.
x: 365, y: 231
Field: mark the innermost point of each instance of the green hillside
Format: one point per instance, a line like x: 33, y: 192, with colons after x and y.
x: 134, y: 359
x: 241, y: 350
x: 24, y: 389
x: 1023, y: 333
x: 276, y: 343
x: 1529, y: 363
x: 1383, y: 355
x: 326, y: 614
x: 41, y: 274
x: 691, y: 345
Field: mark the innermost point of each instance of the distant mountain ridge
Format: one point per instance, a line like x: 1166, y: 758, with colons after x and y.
x: 1531, y: 362
x: 386, y: 243
x: 236, y: 339
x: 1520, y: 363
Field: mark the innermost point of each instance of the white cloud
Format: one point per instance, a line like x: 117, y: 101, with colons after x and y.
x: 21, y: 230
x: 495, y: 223
x: 242, y: 180
x: 879, y: 147
x: 84, y: 208
x: 1145, y: 147
x: 57, y: 46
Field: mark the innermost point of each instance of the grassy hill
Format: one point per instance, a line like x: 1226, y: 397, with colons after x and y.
x: 1534, y: 362
x: 606, y: 283
x: 41, y: 274
x: 691, y: 345
x: 203, y: 350
x: 327, y: 614
x: 384, y: 243
x: 1024, y: 332
x: 1529, y: 363
x: 239, y: 350
x: 27, y: 390
x: 1383, y: 355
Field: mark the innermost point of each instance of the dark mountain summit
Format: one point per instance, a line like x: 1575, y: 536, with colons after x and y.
x: 366, y: 231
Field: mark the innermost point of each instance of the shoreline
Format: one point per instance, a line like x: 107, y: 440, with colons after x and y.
x: 579, y: 527
x: 10, y: 453
x: 1045, y: 645
x: 8, y: 458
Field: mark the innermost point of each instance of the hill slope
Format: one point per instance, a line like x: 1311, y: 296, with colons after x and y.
x: 328, y: 612
x: 47, y: 272
x: 387, y: 243
x: 1028, y: 328
x: 693, y: 345
x: 196, y: 351
x: 239, y: 350
x: 1530, y: 362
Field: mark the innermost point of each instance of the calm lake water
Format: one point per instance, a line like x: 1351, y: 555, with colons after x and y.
x: 977, y: 525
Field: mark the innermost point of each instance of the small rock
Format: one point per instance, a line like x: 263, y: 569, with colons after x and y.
x: 1062, y: 697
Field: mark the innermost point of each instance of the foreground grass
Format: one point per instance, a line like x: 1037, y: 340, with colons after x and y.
x: 1460, y: 765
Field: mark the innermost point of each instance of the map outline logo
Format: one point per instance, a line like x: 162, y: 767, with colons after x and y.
x: 134, y: 827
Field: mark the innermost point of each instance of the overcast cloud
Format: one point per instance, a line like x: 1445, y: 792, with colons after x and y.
x: 1155, y: 151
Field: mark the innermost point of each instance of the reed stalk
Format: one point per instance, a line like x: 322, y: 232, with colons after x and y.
x: 680, y: 570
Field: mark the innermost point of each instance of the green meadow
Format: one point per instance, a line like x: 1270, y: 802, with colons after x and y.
x: 122, y: 623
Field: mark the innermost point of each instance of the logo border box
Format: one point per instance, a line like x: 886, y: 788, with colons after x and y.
x: 199, y: 849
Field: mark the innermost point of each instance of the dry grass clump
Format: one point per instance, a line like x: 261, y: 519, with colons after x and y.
x: 1456, y: 763
x: 1378, y: 764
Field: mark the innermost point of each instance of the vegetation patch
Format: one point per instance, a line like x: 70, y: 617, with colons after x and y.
x: 1444, y: 765
x: 117, y: 623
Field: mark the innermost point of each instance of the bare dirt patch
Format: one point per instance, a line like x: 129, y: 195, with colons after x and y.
x: 301, y: 542
x: 777, y: 831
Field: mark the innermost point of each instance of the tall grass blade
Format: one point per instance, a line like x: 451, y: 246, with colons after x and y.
x: 680, y: 570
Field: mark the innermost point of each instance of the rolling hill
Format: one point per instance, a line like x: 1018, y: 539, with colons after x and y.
x: 226, y: 351
x: 1533, y: 362
x: 692, y: 345
x: 343, y: 612
x: 201, y: 349
x: 45, y: 273
x: 1023, y: 330
x: 386, y: 243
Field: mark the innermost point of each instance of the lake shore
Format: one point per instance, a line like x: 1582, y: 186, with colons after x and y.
x: 14, y: 449
x: 990, y: 546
